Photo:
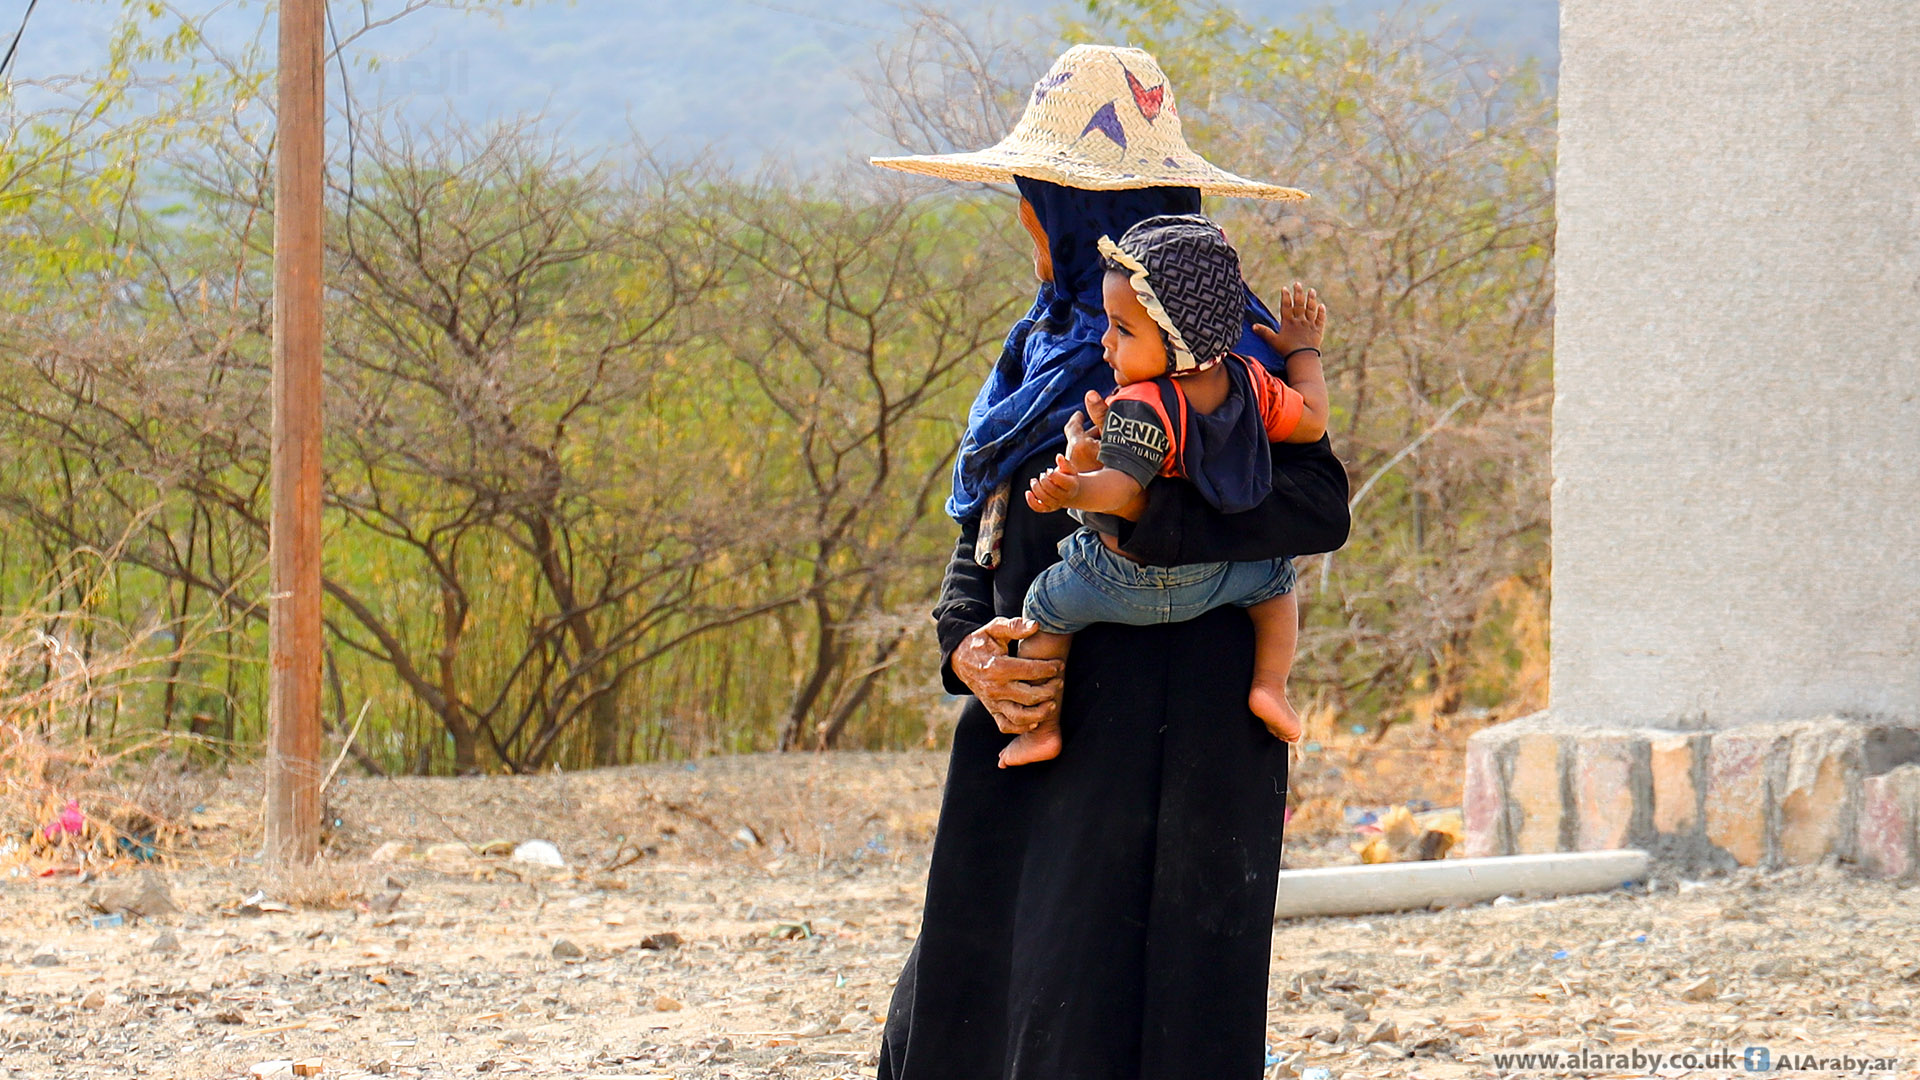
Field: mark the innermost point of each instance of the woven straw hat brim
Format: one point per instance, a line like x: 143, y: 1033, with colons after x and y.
x: 995, y: 166
x: 1102, y: 118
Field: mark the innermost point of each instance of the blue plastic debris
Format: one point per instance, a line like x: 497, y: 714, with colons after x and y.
x: 1560, y: 954
x: 102, y: 922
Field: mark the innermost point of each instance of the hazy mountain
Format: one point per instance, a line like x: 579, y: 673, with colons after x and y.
x: 749, y: 76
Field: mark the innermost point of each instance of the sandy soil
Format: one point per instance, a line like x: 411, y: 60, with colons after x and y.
x: 746, y: 917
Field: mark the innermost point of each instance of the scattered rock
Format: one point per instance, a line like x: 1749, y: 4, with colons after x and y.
x: 309, y: 1067
x: 1434, y: 1041
x: 391, y: 851
x: 1704, y: 990
x: 1385, y: 1031
x: 94, y: 1001
x: 538, y: 853
x: 46, y: 957
x: 166, y: 942
x: 665, y: 939
x: 258, y: 903
x: 567, y: 950
x: 663, y: 1003
x: 267, y: 1069
x: 1470, y: 1029
x: 385, y: 902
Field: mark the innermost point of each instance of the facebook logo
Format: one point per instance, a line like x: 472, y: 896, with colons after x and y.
x: 1759, y: 1059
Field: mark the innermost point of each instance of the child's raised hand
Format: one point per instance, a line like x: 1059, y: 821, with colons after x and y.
x: 1096, y: 411
x: 1052, y: 490
x: 1083, y: 443
x: 1303, y: 321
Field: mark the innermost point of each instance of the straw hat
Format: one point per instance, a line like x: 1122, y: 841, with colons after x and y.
x: 1103, y: 118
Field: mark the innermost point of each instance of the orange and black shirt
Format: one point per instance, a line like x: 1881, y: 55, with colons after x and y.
x: 1151, y: 431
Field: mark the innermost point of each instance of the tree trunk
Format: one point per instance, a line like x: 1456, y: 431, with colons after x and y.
x: 607, y: 740
x: 826, y: 657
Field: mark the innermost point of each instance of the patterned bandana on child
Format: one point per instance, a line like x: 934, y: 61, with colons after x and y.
x: 1188, y: 278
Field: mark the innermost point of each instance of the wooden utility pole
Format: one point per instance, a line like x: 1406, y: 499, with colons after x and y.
x: 293, y: 688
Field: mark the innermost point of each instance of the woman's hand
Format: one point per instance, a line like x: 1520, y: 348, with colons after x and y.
x: 1018, y: 693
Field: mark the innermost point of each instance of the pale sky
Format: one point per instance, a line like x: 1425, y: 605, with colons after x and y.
x: 752, y: 77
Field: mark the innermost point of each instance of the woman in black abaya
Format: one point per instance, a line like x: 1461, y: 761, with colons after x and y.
x: 1107, y: 914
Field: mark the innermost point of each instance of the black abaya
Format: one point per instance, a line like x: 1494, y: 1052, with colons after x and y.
x: 1107, y: 915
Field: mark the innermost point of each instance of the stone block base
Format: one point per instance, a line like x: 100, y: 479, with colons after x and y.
x: 1754, y: 795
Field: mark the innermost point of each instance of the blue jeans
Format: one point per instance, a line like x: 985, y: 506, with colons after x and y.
x: 1091, y: 584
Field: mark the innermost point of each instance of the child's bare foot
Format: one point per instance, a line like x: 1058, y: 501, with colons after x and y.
x: 1268, y: 701
x: 1040, y: 744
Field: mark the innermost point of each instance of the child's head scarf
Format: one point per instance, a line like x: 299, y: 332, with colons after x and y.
x: 1188, y: 278
x: 1052, y: 357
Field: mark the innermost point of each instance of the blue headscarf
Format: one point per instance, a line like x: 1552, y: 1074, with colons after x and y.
x: 1052, y: 357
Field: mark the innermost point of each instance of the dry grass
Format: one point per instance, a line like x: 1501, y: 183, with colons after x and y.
x: 754, y: 809
x: 73, y: 790
x: 322, y: 885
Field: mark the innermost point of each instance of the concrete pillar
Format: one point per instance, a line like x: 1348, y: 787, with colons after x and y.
x: 1736, y: 454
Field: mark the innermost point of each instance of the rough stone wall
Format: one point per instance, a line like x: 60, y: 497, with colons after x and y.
x: 1737, y: 425
x: 1771, y: 794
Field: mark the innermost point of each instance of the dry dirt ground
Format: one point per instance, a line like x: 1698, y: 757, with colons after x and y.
x: 745, y: 917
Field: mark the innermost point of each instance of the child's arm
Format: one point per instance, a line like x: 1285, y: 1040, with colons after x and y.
x: 1303, y: 322
x: 1105, y: 491
x: 1305, y: 375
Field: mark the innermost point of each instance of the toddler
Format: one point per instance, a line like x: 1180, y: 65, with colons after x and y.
x: 1185, y: 407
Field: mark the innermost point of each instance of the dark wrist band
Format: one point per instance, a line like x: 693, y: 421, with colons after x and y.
x: 1297, y: 352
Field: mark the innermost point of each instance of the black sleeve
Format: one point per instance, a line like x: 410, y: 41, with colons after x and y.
x: 1134, y: 441
x: 1305, y: 514
x: 966, y: 602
